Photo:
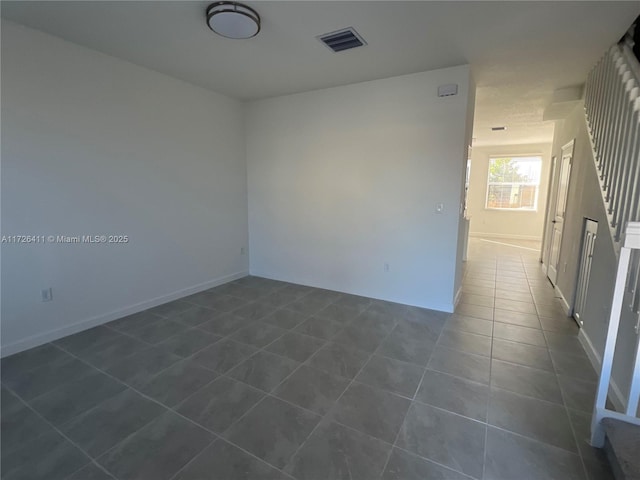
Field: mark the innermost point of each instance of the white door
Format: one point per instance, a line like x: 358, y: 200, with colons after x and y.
x: 546, y: 246
x: 562, y: 189
x: 584, y: 273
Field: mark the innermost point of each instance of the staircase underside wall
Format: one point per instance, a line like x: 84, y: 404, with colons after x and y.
x: 585, y: 201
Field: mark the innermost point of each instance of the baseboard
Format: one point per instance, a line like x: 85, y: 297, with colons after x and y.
x: 41, y: 338
x: 456, y: 300
x: 444, y: 307
x: 615, y: 394
x: 506, y: 236
x: 567, y: 307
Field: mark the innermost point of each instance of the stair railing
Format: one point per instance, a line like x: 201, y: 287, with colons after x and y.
x: 626, y: 294
x: 612, y: 108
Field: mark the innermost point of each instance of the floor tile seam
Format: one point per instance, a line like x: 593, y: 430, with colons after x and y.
x: 427, y: 459
x: 329, y: 413
x: 175, y: 407
x: 59, y: 432
x: 509, y: 310
x: 404, y: 417
x: 459, y: 350
x: 539, y: 370
x: 128, y: 335
x: 83, y: 377
x: 476, y: 317
x: 131, y: 333
x: 529, y: 397
x: 512, y: 362
x: 519, y: 343
x: 486, y: 431
x: 448, y: 328
x: 462, y: 302
x: 266, y: 394
x: 247, y: 452
x: 97, y: 465
x: 456, y: 351
x: 73, y: 357
x: 132, y: 434
x: 105, y: 344
x: 151, y: 399
x: 181, y: 469
x: 258, y: 349
x: 575, y: 435
x: 537, y: 441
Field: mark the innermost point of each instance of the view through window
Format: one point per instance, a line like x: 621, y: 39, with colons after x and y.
x: 513, y: 182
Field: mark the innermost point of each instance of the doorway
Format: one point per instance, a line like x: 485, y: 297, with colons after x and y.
x: 556, y: 211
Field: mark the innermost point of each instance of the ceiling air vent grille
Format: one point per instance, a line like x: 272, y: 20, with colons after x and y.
x: 341, y: 40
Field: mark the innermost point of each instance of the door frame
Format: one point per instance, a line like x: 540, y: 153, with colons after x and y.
x: 566, y: 150
x: 550, y: 207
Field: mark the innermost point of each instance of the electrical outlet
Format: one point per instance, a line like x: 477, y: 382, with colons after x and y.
x: 386, y: 267
x: 439, y: 207
x: 243, y: 251
x: 47, y: 294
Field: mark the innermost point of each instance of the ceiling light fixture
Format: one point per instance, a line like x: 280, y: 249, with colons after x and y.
x: 233, y: 20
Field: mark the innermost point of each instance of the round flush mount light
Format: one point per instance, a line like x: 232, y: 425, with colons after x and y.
x: 233, y: 20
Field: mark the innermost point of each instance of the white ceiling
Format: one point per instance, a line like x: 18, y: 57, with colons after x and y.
x: 519, y: 51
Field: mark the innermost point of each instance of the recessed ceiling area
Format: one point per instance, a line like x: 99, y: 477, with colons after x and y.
x: 520, y: 52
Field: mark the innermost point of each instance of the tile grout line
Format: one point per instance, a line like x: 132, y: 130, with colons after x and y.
x: 328, y: 414
x: 326, y: 342
x: 270, y: 394
x: 215, y: 435
x: 413, y: 399
x: 486, y: 429
x: 57, y: 430
x: 173, y: 408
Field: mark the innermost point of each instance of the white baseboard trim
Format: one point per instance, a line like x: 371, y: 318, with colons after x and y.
x: 440, y: 307
x: 41, y: 338
x: 567, y: 307
x: 456, y: 300
x: 615, y: 394
x: 505, y: 236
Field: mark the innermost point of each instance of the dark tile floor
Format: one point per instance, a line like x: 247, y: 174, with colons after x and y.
x: 259, y: 379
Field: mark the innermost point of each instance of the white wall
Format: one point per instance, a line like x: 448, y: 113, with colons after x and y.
x: 346, y: 179
x: 501, y: 223
x: 91, y: 145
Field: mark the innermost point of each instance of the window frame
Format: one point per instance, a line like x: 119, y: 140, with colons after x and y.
x: 537, y: 185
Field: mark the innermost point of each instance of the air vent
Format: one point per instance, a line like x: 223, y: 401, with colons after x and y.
x: 341, y: 40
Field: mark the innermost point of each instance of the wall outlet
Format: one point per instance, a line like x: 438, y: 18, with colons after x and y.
x: 439, y: 207
x: 386, y: 267
x: 243, y: 250
x: 47, y: 294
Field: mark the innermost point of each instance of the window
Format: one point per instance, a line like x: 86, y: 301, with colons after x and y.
x: 513, y: 183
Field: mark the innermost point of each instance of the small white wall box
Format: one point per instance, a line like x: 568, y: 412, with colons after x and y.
x: 448, y: 90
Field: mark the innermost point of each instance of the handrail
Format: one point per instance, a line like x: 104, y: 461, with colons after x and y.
x: 612, y: 109
x: 612, y: 112
x: 627, y: 286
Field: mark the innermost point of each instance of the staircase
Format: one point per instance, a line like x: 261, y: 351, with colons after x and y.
x: 612, y: 109
x: 622, y: 444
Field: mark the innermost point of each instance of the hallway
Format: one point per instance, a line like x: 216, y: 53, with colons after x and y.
x: 542, y: 384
